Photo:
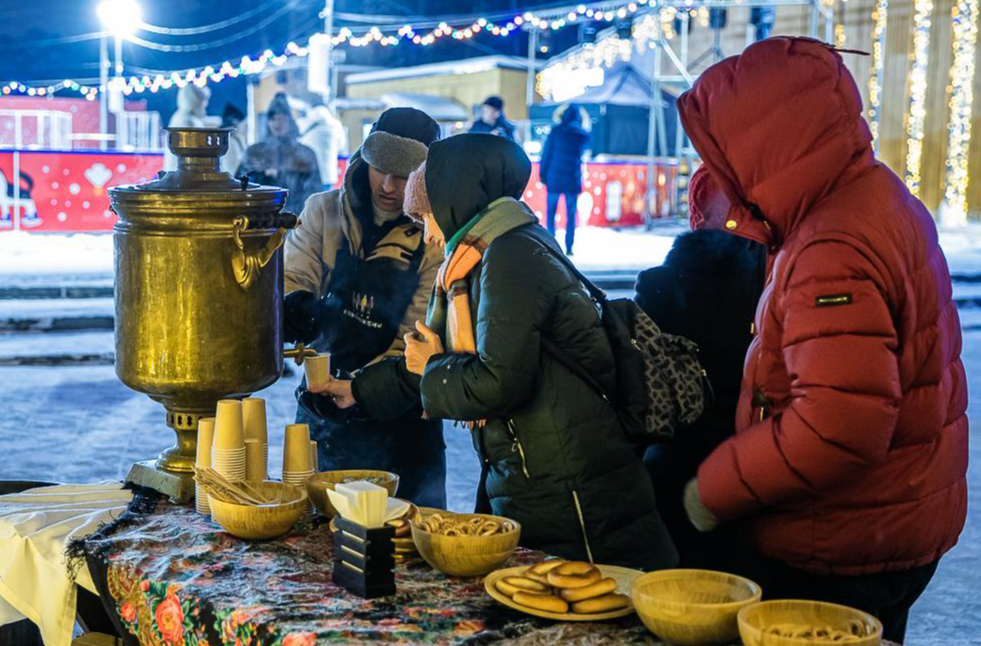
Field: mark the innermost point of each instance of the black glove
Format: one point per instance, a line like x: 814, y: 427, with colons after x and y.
x: 303, y: 315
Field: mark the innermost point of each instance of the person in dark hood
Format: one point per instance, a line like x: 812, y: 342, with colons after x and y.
x: 706, y: 290
x: 358, y: 277
x: 553, y: 453
x: 281, y: 160
x: 561, y: 169
x: 492, y: 120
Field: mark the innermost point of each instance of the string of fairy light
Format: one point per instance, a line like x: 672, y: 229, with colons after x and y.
x: 384, y: 36
x: 916, y: 114
x: 964, y: 16
x: 880, y: 14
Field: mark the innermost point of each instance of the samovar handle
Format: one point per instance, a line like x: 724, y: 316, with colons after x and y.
x: 247, y: 266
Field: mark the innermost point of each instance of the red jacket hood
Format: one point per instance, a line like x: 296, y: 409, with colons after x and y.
x: 777, y: 127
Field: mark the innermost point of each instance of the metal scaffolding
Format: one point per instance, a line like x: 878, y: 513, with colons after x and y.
x: 681, y: 76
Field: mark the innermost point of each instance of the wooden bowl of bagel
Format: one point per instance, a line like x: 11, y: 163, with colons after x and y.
x: 466, y: 555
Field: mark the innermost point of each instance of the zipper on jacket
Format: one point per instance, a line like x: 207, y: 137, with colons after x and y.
x: 582, y: 525
x: 517, y: 448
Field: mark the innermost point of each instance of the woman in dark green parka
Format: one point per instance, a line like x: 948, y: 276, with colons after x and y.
x: 553, y: 454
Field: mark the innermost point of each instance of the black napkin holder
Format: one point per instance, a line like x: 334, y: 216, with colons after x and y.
x: 364, y: 559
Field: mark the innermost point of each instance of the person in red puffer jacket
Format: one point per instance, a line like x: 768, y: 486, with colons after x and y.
x: 847, y: 473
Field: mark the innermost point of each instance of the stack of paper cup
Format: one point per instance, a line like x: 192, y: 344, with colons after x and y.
x: 254, y: 423
x: 297, y: 463
x: 228, y: 451
x: 255, y: 461
x: 313, y: 456
x: 206, y: 432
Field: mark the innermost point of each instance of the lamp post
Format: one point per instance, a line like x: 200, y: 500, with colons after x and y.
x: 120, y: 19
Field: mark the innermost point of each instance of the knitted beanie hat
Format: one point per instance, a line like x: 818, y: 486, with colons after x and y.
x: 416, y: 199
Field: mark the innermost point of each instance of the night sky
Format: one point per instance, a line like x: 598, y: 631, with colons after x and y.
x: 32, y: 49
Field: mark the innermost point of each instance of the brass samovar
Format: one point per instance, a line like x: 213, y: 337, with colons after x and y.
x: 199, y: 292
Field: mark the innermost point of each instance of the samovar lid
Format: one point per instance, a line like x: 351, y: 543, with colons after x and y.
x: 198, y: 151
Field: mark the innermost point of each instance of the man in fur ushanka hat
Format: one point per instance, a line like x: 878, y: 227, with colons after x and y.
x: 358, y: 277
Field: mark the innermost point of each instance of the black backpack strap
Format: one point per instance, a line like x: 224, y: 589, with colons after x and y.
x: 555, y: 351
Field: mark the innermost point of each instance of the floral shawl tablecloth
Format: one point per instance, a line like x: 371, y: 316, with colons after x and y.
x: 174, y: 578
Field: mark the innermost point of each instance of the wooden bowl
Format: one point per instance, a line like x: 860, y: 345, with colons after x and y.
x: 757, y: 620
x: 693, y: 607
x: 319, y: 483
x: 466, y: 555
x: 261, y: 522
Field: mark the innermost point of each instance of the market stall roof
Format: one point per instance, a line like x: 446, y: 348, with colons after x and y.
x: 622, y: 85
x: 450, y: 68
x: 438, y: 107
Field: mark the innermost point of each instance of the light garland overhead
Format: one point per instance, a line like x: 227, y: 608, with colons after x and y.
x: 880, y: 15
x: 965, y: 31
x: 385, y: 36
x: 917, y: 93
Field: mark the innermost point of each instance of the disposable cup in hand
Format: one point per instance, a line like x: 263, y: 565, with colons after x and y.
x: 254, y: 418
x: 206, y: 434
x: 296, y: 448
x: 255, y: 460
x: 317, y: 370
x: 229, y: 433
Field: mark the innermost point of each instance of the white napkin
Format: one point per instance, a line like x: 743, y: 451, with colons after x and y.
x: 351, y: 506
x: 35, y: 528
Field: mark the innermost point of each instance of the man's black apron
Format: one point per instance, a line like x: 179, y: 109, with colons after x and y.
x: 366, y: 301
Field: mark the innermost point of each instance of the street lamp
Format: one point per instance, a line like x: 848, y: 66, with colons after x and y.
x: 120, y: 19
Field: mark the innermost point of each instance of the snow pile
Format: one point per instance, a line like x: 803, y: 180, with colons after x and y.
x: 962, y: 246
x: 36, y: 254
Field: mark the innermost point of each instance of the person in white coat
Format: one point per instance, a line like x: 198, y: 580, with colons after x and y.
x: 192, y: 107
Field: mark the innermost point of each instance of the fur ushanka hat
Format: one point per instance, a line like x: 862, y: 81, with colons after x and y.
x: 399, y: 141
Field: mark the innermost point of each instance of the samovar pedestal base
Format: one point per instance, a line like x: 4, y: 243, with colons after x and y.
x: 179, y: 487
x: 172, y: 473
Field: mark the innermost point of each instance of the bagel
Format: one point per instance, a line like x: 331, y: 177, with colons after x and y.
x: 606, y: 603
x: 598, y: 589
x: 541, y: 578
x: 573, y: 575
x: 506, y: 588
x: 545, y: 567
x: 524, y: 583
x: 546, y: 602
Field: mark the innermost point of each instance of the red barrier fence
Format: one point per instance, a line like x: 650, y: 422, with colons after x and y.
x: 60, y: 191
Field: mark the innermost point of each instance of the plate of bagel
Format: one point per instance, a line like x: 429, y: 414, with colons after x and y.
x: 565, y: 590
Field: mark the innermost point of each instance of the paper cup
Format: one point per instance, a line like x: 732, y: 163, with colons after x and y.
x: 229, y: 432
x: 254, y: 419
x: 296, y: 448
x: 206, y: 433
x: 317, y: 369
x: 255, y: 460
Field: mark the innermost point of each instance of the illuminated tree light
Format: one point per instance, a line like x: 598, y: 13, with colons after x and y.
x: 965, y: 32
x: 916, y: 117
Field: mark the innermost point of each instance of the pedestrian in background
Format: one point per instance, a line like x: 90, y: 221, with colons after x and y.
x: 492, y: 120
x: 232, y: 117
x: 561, y: 169
x: 281, y: 160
